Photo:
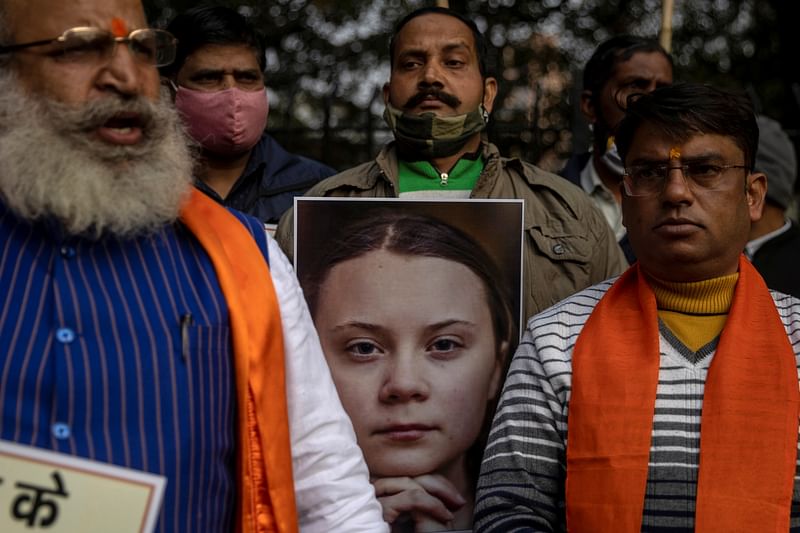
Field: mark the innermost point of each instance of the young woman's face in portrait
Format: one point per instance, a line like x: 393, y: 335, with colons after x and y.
x: 411, y: 347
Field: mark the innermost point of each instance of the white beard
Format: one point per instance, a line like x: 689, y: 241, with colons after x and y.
x: 52, y: 165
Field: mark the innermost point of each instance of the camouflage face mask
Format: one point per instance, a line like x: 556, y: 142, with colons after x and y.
x: 431, y: 136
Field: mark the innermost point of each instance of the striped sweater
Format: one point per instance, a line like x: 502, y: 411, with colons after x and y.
x: 521, y: 486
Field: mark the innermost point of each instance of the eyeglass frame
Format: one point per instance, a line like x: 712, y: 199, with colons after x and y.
x: 627, y: 178
x: 127, y: 39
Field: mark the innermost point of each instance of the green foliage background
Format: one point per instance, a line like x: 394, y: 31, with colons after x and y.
x: 328, y: 59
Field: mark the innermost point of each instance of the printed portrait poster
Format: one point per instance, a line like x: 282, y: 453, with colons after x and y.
x: 418, y: 308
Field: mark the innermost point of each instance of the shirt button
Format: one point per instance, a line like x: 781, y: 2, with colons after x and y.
x: 558, y: 249
x: 67, y: 252
x: 61, y: 431
x: 263, y: 519
x: 65, y: 335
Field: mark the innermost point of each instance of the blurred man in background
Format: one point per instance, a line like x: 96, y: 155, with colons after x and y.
x: 774, y: 246
x: 621, y: 66
x: 220, y: 94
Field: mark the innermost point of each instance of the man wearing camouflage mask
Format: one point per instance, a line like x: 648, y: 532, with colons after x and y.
x: 438, y: 101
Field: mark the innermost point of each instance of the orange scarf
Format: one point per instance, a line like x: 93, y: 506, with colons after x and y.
x: 264, y: 461
x: 748, y: 432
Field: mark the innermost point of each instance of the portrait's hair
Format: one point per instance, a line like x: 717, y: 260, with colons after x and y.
x: 425, y: 236
x: 683, y: 110
x: 480, y: 42
x: 200, y: 26
x: 610, y: 53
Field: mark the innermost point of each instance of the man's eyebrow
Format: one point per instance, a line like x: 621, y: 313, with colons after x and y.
x: 411, y: 52
x: 634, y: 77
x: 700, y: 158
x: 208, y: 72
x: 449, y: 47
x: 221, y: 71
x: 457, y: 46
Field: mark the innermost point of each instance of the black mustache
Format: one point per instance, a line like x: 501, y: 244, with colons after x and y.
x: 445, y: 98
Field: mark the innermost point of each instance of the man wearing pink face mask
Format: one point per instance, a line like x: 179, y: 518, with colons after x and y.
x: 220, y: 94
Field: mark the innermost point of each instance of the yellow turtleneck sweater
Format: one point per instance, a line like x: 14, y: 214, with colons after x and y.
x: 695, y: 312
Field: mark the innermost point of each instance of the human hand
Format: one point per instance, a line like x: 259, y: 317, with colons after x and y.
x: 428, y: 501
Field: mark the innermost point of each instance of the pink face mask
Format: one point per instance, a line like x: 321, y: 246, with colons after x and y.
x: 226, y: 122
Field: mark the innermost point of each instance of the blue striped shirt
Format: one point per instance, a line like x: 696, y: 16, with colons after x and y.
x: 120, y: 351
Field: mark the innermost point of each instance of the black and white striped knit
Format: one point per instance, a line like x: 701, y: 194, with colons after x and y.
x: 521, y: 485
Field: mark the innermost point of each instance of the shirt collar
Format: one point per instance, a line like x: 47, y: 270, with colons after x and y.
x: 752, y: 247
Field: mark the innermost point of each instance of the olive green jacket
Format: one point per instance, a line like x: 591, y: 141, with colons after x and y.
x: 568, y: 244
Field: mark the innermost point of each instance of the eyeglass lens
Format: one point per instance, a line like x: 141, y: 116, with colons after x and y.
x: 650, y: 179
x: 154, y: 47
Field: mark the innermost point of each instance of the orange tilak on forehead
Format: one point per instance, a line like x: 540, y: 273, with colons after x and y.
x: 118, y: 27
x: 674, y: 153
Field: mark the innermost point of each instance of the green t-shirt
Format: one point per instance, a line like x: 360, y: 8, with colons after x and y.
x: 422, y: 179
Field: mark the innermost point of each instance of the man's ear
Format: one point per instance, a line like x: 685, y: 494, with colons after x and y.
x: 756, y: 193
x: 386, y: 93
x: 489, y: 93
x: 587, y: 107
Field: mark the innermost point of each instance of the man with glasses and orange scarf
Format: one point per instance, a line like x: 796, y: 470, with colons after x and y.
x: 677, y: 382
x: 142, y: 324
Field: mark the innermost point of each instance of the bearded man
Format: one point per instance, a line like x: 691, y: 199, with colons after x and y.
x: 438, y: 101
x: 142, y: 324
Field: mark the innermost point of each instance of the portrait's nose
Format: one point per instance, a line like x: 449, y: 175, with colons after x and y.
x: 404, y: 380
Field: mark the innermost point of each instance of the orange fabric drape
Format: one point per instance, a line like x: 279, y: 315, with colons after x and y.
x: 749, y: 425
x: 266, y: 491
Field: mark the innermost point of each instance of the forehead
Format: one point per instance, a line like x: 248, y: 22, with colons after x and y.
x: 384, y: 272
x: 650, y: 142
x: 433, y: 30
x: 648, y: 65
x: 222, y: 56
x: 41, y: 19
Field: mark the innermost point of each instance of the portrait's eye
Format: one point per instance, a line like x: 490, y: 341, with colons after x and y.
x: 445, y: 346
x: 363, y: 349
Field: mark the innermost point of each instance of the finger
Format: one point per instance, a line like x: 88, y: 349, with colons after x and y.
x: 416, y: 502
x: 443, y: 489
x: 386, y: 486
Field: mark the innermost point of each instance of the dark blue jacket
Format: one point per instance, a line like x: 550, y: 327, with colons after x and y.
x: 572, y: 172
x: 270, y: 181
x: 777, y: 259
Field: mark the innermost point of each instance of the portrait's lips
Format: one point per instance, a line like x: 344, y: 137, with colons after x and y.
x: 404, y: 432
x: 122, y: 129
x: 677, y: 227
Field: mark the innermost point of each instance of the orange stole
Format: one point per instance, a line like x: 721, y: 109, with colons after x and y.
x: 264, y: 461
x: 749, y: 425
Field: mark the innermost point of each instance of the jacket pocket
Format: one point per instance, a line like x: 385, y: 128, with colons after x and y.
x: 571, y: 248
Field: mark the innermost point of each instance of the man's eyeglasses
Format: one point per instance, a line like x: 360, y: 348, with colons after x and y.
x: 94, y: 45
x: 649, y: 179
